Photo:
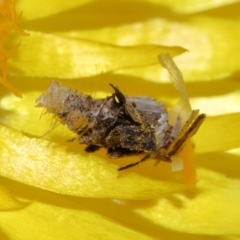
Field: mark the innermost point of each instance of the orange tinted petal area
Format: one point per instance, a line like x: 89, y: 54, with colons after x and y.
x: 189, y: 165
x: 8, y: 22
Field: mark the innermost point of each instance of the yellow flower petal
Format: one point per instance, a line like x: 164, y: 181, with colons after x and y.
x: 224, y: 99
x: 36, y: 9
x: 59, y: 168
x: 8, y: 201
x: 55, y: 217
x: 212, y: 209
x: 209, y: 57
x: 45, y: 55
x: 191, y: 6
x: 219, y: 133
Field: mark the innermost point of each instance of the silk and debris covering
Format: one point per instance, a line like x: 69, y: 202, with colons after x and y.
x: 122, y: 124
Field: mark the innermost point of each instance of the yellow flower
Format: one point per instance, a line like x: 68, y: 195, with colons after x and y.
x: 52, y: 189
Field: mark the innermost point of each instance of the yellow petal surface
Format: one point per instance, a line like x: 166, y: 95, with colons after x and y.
x: 36, y: 9
x: 219, y: 133
x: 191, y: 6
x: 55, y: 217
x: 212, y: 209
x: 216, y: 104
x: 45, y: 55
x: 209, y: 57
x: 53, y: 167
x: 8, y: 201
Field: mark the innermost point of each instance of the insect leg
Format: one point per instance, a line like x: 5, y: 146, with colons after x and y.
x: 136, y: 163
